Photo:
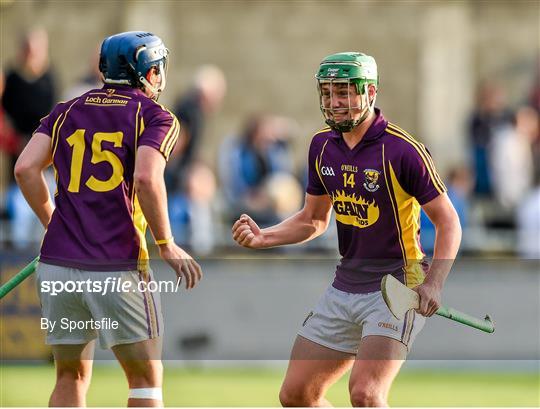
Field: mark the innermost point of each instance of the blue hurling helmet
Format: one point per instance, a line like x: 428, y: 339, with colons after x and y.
x: 127, y: 57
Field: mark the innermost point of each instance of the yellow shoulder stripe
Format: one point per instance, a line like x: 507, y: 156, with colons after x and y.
x: 53, y: 136
x: 322, y: 131
x: 173, y: 139
x: 426, y: 158
x: 422, y: 147
x: 172, y: 136
x: 394, y: 208
x: 60, y: 126
x: 137, y: 134
x: 170, y: 133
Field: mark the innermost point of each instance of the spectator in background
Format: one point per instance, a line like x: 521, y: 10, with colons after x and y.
x: 91, y: 80
x: 511, y: 158
x: 30, y: 86
x: 249, y: 163
x: 10, y: 144
x: 29, y: 95
x: 204, y: 98
x: 528, y: 224
x: 285, y: 194
x: 490, y: 115
x: 460, y: 185
x: 534, y: 102
x: 192, y: 210
x: 10, y: 147
x: 528, y: 211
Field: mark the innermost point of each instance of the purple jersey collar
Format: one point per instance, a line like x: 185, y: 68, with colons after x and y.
x: 125, y: 88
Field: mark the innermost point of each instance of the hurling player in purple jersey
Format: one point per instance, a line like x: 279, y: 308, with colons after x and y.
x: 109, y: 148
x: 376, y: 178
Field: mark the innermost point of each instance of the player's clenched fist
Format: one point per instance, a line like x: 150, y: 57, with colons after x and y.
x: 430, y: 298
x: 246, y: 233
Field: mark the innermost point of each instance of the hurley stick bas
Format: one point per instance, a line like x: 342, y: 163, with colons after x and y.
x: 18, y: 278
x: 400, y: 299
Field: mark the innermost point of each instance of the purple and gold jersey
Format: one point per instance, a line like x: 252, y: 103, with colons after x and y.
x: 376, y: 189
x: 97, y: 223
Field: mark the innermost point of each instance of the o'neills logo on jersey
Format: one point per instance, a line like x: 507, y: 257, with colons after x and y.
x: 354, y: 211
x: 327, y: 171
x: 105, y: 101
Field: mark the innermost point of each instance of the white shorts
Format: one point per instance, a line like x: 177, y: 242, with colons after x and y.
x: 117, y: 317
x: 340, y: 320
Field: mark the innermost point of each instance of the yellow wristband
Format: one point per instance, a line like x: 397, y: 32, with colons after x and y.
x: 165, y: 241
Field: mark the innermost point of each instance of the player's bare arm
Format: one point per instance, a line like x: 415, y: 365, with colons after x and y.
x: 35, y: 157
x: 448, y: 237
x: 305, y: 225
x: 152, y: 195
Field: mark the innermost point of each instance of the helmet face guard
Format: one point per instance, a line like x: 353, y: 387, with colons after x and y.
x: 327, y: 98
x: 127, y: 58
x: 340, y: 71
x: 160, y: 66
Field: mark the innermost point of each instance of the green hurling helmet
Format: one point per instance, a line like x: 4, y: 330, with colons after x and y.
x: 347, y: 68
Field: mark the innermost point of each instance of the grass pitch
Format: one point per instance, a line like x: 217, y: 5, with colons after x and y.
x: 31, y: 386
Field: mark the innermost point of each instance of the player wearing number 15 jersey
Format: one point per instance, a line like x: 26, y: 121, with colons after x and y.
x: 375, y: 177
x: 109, y: 148
x: 98, y: 223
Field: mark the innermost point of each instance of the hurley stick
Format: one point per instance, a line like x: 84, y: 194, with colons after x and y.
x: 400, y: 299
x: 18, y: 278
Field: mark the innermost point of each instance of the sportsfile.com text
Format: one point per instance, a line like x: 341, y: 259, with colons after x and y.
x: 108, y: 285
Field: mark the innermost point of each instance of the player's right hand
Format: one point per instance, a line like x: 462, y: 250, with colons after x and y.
x: 430, y: 298
x: 182, y: 263
x: 247, y: 233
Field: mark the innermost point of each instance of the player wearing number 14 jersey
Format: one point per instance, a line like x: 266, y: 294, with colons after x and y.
x: 109, y: 148
x: 375, y: 177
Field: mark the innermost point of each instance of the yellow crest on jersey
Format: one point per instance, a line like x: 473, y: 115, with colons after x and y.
x: 371, y: 179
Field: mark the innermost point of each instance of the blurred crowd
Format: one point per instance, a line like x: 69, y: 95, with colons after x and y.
x: 255, y: 166
x: 496, y: 191
x: 497, y: 194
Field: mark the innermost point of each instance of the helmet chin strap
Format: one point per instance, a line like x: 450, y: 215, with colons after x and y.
x: 156, y: 91
x: 349, y: 124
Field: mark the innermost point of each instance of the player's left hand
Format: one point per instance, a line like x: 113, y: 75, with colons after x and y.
x: 430, y: 298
